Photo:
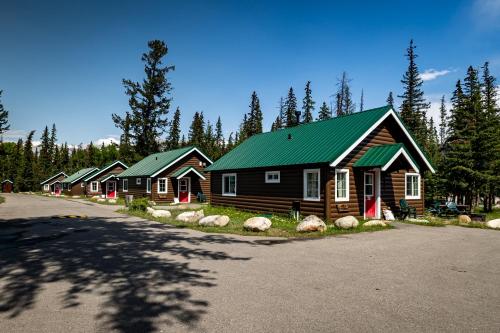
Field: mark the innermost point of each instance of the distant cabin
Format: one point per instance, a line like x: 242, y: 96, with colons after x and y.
x: 172, y: 176
x: 7, y: 186
x: 53, y: 184
x: 103, y: 182
x: 357, y: 164
x: 74, y: 184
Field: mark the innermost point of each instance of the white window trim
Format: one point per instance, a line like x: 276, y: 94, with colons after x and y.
x: 82, y: 184
x: 337, y: 199
x: 148, y: 182
x: 138, y: 181
x: 273, y: 181
x: 166, y: 185
x: 46, y: 187
x: 224, y: 175
x: 96, y: 187
x: 306, y: 171
x: 123, y: 185
x: 412, y: 197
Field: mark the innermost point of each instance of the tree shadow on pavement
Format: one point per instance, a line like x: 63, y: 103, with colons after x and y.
x: 143, y: 273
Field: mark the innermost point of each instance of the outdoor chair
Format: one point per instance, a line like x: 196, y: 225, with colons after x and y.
x: 452, y: 209
x: 201, y: 197
x: 436, y: 209
x: 405, y: 210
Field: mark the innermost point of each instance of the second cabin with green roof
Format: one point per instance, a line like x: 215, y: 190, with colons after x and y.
x: 173, y: 176
x: 358, y: 164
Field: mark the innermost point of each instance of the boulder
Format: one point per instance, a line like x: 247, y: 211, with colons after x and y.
x: 161, y: 213
x: 417, y: 220
x: 75, y: 196
x: 311, y: 223
x: 257, y: 224
x: 214, y: 221
x: 375, y: 223
x: 150, y: 210
x: 95, y: 197
x: 101, y: 200
x: 151, y: 203
x: 191, y: 216
x: 346, y: 222
x: 112, y: 201
x: 494, y: 224
x: 464, y: 219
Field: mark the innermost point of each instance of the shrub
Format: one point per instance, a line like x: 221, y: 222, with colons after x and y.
x: 139, y: 204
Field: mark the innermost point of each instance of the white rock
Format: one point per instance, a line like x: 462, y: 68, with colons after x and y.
x: 214, y: 220
x: 101, y: 200
x: 311, y: 223
x: 151, y: 203
x: 191, y: 216
x: 494, y: 224
x: 464, y: 219
x: 95, y: 197
x: 257, y: 224
x: 112, y: 201
x: 75, y: 196
x: 346, y: 222
x: 150, y: 210
x: 417, y: 220
x: 161, y: 213
x: 374, y: 223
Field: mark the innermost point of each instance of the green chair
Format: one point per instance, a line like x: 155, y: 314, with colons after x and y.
x: 405, y: 210
x: 201, y: 197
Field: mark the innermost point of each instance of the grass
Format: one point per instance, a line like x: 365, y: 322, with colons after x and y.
x: 119, y: 202
x: 2, y: 199
x: 281, y: 226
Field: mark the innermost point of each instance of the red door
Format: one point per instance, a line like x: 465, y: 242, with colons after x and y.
x: 57, y: 189
x: 370, y: 200
x: 184, y: 190
x: 111, y: 189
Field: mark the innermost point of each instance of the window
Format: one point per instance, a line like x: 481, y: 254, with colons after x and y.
x: 125, y: 185
x: 82, y: 184
x: 369, y: 184
x: 341, y: 185
x: 46, y: 187
x: 138, y: 181
x: 229, y: 184
x: 272, y: 176
x: 311, y: 184
x: 94, y: 186
x: 162, y: 185
x: 148, y: 185
x: 412, y: 186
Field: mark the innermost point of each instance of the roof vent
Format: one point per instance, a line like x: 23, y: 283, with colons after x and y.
x: 289, y: 136
x: 156, y: 158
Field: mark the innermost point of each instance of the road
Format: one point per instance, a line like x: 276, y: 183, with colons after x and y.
x: 110, y: 272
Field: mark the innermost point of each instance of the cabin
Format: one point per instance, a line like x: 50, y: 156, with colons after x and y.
x: 169, y: 177
x: 103, y: 182
x: 74, y: 184
x: 7, y: 186
x: 53, y: 184
x: 358, y: 164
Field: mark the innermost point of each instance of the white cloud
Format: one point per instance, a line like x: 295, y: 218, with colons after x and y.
x: 107, y: 141
x: 487, y: 13
x: 431, y: 74
x: 433, y: 111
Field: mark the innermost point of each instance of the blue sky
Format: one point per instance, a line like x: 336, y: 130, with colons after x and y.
x: 63, y: 62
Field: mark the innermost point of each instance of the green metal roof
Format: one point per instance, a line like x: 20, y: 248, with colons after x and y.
x: 317, y: 142
x: 380, y: 155
x: 79, y: 174
x: 153, y: 163
x: 180, y: 171
x: 53, y: 176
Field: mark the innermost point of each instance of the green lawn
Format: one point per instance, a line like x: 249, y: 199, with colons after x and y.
x: 281, y: 226
x: 2, y: 199
x: 435, y: 221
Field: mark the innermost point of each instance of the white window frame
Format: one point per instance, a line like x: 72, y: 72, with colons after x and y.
x: 273, y: 181
x: 148, y: 185
x: 224, y: 175
x: 96, y: 186
x: 82, y: 184
x: 341, y: 199
x: 412, y: 197
x: 307, y: 171
x: 138, y: 181
x: 158, y: 185
x: 125, y: 181
x: 46, y: 187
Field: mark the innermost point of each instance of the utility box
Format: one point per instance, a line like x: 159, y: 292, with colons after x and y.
x: 296, y: 210
x: 128, y: 199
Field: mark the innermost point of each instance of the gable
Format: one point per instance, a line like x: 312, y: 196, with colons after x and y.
x: 115, y: 167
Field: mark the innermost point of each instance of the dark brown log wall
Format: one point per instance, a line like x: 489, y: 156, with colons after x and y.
x: 60, y: 178
x: 101, y: 187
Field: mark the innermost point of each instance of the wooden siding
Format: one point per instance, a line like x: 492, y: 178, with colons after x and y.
x: 254, y: 194
x: 101, y: 188
x: 197, y: 184
x: 7, y: 187
x: 51, y: 188
x: 75, y: 189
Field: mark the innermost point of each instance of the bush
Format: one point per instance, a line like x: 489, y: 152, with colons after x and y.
x: 139, y: 204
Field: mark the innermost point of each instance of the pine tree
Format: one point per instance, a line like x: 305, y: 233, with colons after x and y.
x: 414, y: 107
x: 324, y: 112
x: 197, y: 130
x: 91, y: 159
x: 390, y: 100
x: 344, y: 101
x: 308, y: 104
x: 45, y: 154
x: 4, y: 117
x: 244, y: 129
x: 149, y: 101
x: 278, y: 122
x: 442, y: 121
x: 362, y: 101
x: 253, y: 124
x: 183, y: 141
x: 53, y: 144
x: 291, y: 109
x: 125, y: 150
x: 230, y: 142
x: 175, y: 130
x: 219, y: 139
x: 27, y: 174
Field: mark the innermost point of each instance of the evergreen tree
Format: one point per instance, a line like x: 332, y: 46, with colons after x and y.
x: 27, y: 174
x: 324, y: 112
x: 244, y: 129
x: 442, y: 121
x: 362, y: 101
x: 149, y: 101
x: 125, y: 151
x: 45, y: 154
x: 219, y: 139
x: 344, y: 101
x: 230, y: 142
x: 197, y: 130
x: 414, y: 106
x: 291, y: 109
x: 390, y: 100
x: 278, y: 122
x: 53, y: 144
x: 308, y: 104
x: 175, y: 131
x: 253, y: 124
x: 4, y: 117
x: 183, y: 141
